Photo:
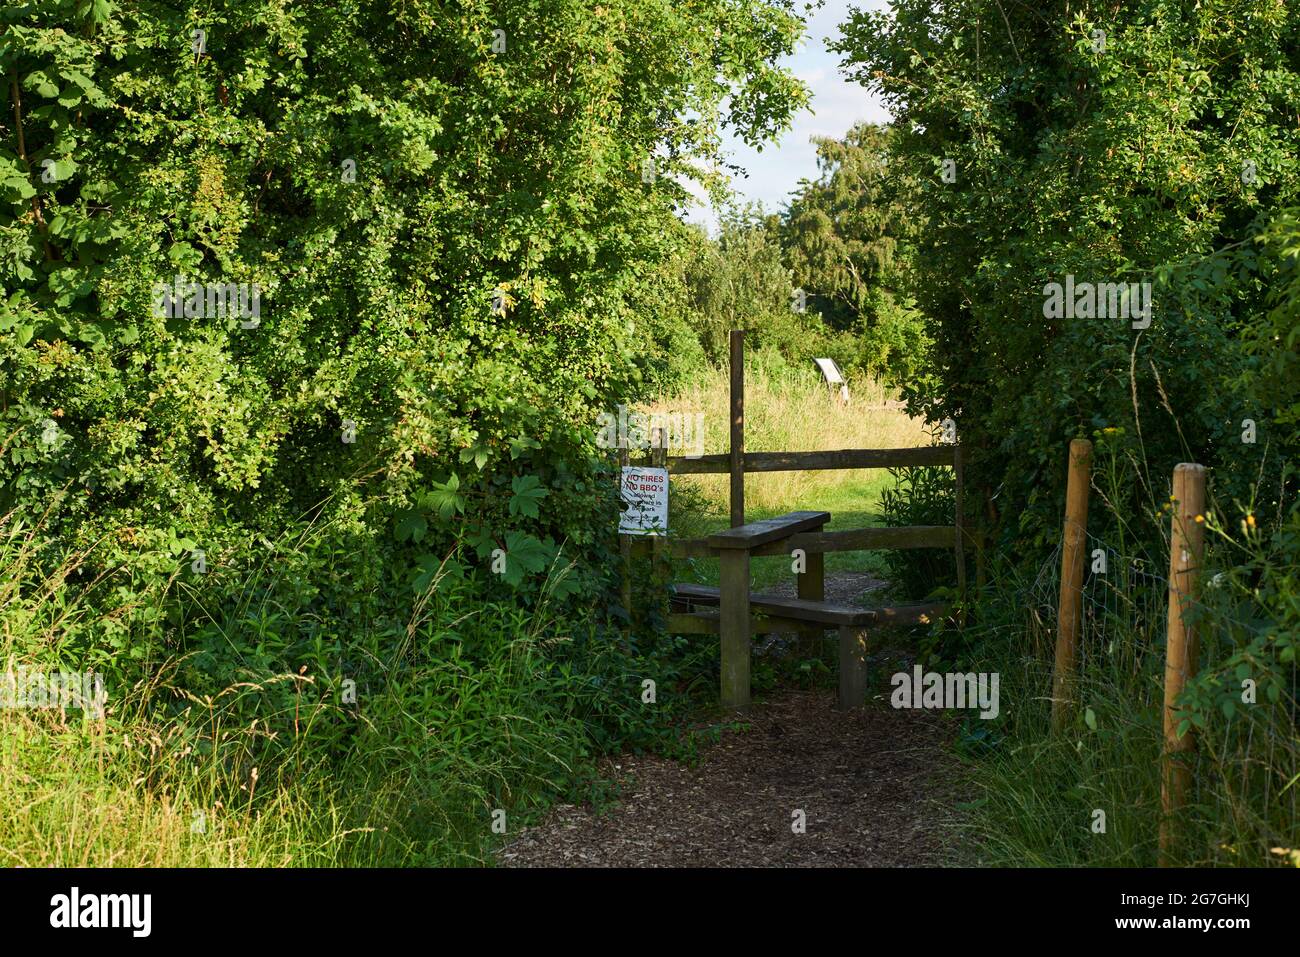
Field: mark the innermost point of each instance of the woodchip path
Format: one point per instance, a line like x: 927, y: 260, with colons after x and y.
x: 876, y: 788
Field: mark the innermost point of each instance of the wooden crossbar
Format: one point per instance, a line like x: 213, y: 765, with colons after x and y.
x: 841, y: 540
x: 816, y: 461
x: 819, y: 612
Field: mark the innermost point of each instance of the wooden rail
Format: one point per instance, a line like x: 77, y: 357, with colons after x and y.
x: 815, y: 461
x: 842, y: 540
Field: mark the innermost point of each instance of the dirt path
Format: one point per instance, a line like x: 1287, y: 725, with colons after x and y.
x: 875, y: 786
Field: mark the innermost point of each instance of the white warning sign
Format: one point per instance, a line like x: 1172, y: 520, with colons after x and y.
x: 645, y: 501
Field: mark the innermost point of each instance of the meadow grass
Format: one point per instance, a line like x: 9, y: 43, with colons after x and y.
x: 1090, y: 796
x: 271, y: 771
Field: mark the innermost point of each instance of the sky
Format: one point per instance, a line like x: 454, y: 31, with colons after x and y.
x: 836, y: 105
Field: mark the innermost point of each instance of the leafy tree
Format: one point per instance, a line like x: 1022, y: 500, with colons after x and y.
x: 1136, y: 142
x: 846, y: 236
x: 447, y: 212
x: 740, y: 281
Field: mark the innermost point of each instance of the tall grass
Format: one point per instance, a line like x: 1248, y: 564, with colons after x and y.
x: 466, y: 709
x: 1092, y: 795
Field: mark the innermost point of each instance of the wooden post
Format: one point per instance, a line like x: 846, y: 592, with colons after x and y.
x: 811, y: 586
x: 658, y: 543
x: 659, y: 460
x: 1074, y: 542
x: 737, y: 428
x: 625, y: 544
x: 960, y: 523
x: 1186, y: 548
x: 853, y: 667
x: 734, y: 626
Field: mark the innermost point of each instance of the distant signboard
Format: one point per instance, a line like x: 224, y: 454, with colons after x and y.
x: 831, y: 373
x: 645, y: 500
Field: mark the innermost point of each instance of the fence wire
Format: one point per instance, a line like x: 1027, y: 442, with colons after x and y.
x: 1125, y: 604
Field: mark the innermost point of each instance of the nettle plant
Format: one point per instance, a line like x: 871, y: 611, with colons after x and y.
x: 442, y: 209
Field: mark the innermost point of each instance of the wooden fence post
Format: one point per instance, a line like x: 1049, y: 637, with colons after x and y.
x: 1074, y: 542
x: 959, y: 520
x: 658, y: 543
x: 737, y: 428
x: 625, y: 543
x: 1186, y: 548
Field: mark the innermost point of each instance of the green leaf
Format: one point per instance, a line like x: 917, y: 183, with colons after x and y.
x: 430, y: 568
x: 445, y: 499
x: 528, y: 491
x: 38, y: 81
x: 411, y: 526
x: 524, y: 555
x: 1090, y: 718
x: 520, y: 444
x: 22, y: 185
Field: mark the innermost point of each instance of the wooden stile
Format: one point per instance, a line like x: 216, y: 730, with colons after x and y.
x: 736, y: 613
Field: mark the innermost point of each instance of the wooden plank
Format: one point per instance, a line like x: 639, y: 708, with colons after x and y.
x: 937, y: 455
x: 919, y: 614
x: 855, y: 539
x: 734, y: 628
x: 803, y: 610
x: 692, y: 623
x: 697, y: 594
x: 690, y: 548
x: 768, y: 530
x: 841, y: 540
x: 736, y: 460
x: 853, y: 668
x: 814, y: 611
x: 706, y: 621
